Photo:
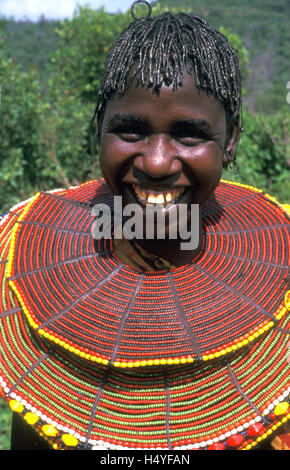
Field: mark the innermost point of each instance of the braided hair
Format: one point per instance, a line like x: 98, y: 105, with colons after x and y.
x: 155, y: 51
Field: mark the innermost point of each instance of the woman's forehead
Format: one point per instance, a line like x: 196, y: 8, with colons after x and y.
x: 187, y: 101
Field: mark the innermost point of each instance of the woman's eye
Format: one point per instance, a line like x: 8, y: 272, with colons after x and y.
x: 129, y: 134
x: 190, y: 138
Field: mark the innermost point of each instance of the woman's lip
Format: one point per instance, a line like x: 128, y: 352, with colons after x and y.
x: 165, y: 198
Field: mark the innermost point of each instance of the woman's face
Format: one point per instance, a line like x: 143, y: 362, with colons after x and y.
x: 164, y: 149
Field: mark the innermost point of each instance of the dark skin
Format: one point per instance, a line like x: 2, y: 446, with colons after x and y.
x: 174, y: 141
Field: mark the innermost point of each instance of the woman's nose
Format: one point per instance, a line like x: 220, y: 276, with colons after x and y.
x: 158, y: 157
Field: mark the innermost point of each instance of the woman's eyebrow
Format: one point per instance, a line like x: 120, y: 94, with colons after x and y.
x: 118, y: 119
x: 200, y: 125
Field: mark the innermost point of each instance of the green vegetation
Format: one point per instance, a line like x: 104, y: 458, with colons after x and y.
x: 5, y: 426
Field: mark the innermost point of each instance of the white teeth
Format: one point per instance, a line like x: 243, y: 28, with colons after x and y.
x: 152, y: 199
x: 148, y: 197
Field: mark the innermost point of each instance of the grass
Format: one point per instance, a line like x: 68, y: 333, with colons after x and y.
x: 5, y: 426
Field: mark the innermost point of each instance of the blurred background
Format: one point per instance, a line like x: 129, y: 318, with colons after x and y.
x: 51, y: 60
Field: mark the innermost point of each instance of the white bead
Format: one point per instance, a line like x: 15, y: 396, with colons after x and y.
x: 234, y: 431
x: 271, y: 407
x: 266, y: 411
x: 215, y: 439
x: 190, y: 446
x: 33, y: 409
x: 240, y: 428
x: 43, y: 417
x: 38, y: 413
x: 210, y: 442
x: 203, y: 444
x: 228, y: 434
x: 49, y: 420
x: 24, y: 402
x: 183, y: 447
x: 59, y: 427
x: 6, y: 389
x: 257, y: 419
x: 276, y: 402
x: 113, y: 446
x: 222, y: 437
x: 3, y: 384
x: 177, y: 448
x: 285, y: 394
x: 196, y: 446
x: 65, y: 429
x: 77, y: 436
x: 281, y: 398
x: 28, y: 406
x: 246, y: 425
x: 82, y: 439
x: 13, y: 395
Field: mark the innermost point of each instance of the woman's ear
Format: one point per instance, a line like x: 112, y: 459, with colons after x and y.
x: 231, y: 146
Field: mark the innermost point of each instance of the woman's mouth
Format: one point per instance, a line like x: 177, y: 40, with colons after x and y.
x: 150, y: 196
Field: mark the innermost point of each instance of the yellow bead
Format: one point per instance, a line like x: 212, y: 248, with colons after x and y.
x: 31, y: 418
x: 205, y: 358
x: 49, y: 430
x: 143, y: 363
x: 150, y: 362
x: 137, y: 364
x: 162, y: 361
x: 16, y: 406
x: 176, y: 361
x: 281, y: 408
x: 69, y: 440
x: 287, y: 300
x: 156, y: 362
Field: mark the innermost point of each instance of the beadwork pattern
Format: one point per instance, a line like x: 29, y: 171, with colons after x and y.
x: 79, y: 299
x: 233, y: 398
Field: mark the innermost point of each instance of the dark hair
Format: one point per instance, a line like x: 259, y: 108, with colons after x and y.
x: 156, y: 50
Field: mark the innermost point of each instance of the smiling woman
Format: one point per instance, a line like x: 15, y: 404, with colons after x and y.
x: 118, y: 343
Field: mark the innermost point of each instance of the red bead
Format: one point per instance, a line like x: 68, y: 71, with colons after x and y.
x: 255, y: 429
x: 235, y: 440
x: 272, y: 416
x: 217, y: 446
